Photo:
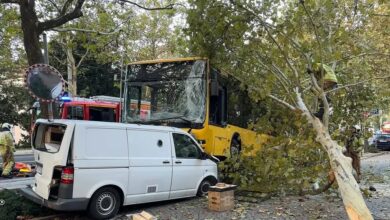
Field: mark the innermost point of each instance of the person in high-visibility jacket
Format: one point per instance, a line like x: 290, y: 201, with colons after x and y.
x: 7, y: 150
x: 354, y: 146
x: 327, y: 82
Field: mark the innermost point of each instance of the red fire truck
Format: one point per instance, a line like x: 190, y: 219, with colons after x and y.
x: 96, y: 108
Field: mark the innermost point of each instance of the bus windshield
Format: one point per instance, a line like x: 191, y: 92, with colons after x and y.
x: 173, y: 92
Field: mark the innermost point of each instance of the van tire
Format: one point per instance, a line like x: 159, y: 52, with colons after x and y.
x: 205, y: 185
x: 104, y: 204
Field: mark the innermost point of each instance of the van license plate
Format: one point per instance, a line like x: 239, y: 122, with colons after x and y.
x: 38, y: 169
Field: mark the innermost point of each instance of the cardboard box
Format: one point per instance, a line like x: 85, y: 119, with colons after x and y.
x: 143, y: 216
x: 221, y: 197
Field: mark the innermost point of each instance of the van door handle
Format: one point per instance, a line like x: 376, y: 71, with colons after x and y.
x: 165, y: 161
x: 177, y: 162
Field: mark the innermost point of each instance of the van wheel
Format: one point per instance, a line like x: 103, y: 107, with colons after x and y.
x: 104, y: 203
x: 204, y: 187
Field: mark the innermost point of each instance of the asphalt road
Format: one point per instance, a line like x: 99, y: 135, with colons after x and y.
x: 25, y: 158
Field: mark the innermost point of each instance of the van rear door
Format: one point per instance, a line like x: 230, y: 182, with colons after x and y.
x: 51, y: 143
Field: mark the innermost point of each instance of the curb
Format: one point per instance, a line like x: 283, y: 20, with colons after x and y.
x: 373, y: 155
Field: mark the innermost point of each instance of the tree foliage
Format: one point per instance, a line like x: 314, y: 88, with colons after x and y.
x: 14, y: 99
x: 291, y: 162
x: 271, y: 47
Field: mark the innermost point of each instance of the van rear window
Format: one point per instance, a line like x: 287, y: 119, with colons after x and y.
x: 48, y: 137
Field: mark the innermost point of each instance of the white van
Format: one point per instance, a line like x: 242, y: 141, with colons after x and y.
x: 99, y: 166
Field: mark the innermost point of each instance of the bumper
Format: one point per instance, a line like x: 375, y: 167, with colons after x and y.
x: 383, y: 146
x: 59, y: 204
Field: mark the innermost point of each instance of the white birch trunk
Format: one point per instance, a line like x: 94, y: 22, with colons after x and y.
x: 72, y: 71
x: 341, y: 166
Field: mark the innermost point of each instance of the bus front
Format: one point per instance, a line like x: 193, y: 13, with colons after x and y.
x: 188, y: 94
x: 167, y: 92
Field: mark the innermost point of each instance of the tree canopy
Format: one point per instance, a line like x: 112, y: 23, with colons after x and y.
x: 271, y: 47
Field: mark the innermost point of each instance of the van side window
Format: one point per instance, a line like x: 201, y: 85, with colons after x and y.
x: 185, y: 147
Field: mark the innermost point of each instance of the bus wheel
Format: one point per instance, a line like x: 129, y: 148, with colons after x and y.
x: 235, y: 148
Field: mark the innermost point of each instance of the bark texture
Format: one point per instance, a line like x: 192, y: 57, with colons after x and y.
x: 72, y: 71
x: 342, y: 167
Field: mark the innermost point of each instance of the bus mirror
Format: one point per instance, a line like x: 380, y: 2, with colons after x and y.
x: 203, y: 156
x: 214, y: 87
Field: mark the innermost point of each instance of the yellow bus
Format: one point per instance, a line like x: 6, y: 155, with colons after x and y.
x: 187, y: 93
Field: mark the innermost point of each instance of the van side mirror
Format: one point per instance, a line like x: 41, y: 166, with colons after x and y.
x: 214, y: 87
x: 204, y: 156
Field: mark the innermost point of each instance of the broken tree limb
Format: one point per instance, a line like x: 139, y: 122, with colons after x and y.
x: 354, y: 203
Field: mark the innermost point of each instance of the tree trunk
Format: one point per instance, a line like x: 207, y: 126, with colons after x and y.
x: 72, y: 71
x: 342, y: 167
x: 31, y: 32
x: 29, y: 21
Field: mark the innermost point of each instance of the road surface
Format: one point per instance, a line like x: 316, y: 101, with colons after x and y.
x: 25, y: 158
x: 18, y: 182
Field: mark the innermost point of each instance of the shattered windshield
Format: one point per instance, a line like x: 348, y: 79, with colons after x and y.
x: 167, y: 92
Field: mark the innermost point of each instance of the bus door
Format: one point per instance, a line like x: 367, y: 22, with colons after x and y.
x: 218, y: 121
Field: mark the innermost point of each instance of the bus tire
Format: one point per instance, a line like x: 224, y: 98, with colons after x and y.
x: 235, y: 147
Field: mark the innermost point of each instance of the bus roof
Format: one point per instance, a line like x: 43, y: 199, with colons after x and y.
x: 168, y: 60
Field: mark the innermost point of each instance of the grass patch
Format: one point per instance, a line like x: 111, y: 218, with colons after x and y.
x: 16, y: 205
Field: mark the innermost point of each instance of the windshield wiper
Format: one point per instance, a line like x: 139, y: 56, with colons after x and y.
x: 169, y: 118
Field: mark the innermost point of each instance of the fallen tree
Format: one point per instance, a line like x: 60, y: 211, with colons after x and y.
x: 271, y: 47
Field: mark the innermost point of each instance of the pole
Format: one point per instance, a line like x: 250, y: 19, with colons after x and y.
x: 125, y: 96
x: 46, y: 60
x: 45, y: 49
x: 120, y: 90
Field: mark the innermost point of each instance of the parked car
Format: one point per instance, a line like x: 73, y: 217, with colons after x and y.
x: 382, y: 141
x: 99, y: 166
x: 386, y: 127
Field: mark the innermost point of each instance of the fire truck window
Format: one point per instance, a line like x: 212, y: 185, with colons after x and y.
x: 102, y: 114
x: 75, y: 112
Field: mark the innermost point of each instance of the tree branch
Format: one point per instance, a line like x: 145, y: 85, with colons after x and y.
x: 65, y: 7
x: 282, y: 102
x: 62, y: 19
x: 82, y: 58
x: 265, y: 25
x: 85, y: 30
x: 322, y: 95
x: 58, y: 60
x: 10, y: 1
x: 117, y: 29
x: 170, y: 6
x: 362, y: 55
x: 382, y: 15
x: 357, y: 83
x: 316, y: 34
x: 55, y: 5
